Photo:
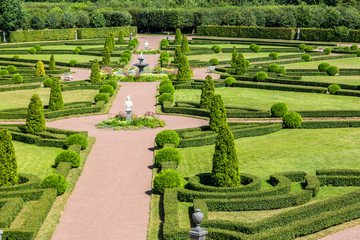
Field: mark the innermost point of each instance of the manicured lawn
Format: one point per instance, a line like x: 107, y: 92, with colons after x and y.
x: 57, y: 47
x: 61, y: 57
x: 340, y: 63
x: 227, y: 56
x: 21, y: 98
x: 264, y: 99
x: 354, y: 80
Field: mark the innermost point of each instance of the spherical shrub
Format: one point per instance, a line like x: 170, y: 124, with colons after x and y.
x: 309, y: 49
x: 11, y: 69
x: 128, y: 52
x: 166, y: 81
x: 164, y: 54
x: 17, y: 78
x: 101, y: 97
x: 164, y: 59
x: 323, y: 66
x: 167, y: 179
x: 132, y: 44
x: 247, y: 63
x: 279, y: 109
x: 354, y: 47
x: 261, y: 76
x: 76, y: 51
x: 68, y: 156
x: 214, y: 61
x: 4, y: 72
x: 47, y: 82
x: 302, y: 46
x: 123, y: 60
x: 167, y: 136
x: 252, y: 46
x: 106, y: 88
x: 333, y: 88
x: 126, y: 55
x: 281, y: 70
x: 32, y: 50
x: 76, y: 139
x: 112, y: 82
x: 357, y: 53
x: 167, y: 154
x: 80, y: 47
x: 166, y: 97
x: 274, y: 55
x: 306, y: 57
x: 292, y: 120
x: 38, y: 48
x: 167, y: 88
x: 347, y: 48
x: 73, y: 63
x: 56, y: 181
x: 229, y: 81
x: 16, y: 57
x: 327, y: 51
x: 273, y: 67
x: 164, y: 42
x: 256, y: 49
x: 332, y: 70
x: 217, y: 49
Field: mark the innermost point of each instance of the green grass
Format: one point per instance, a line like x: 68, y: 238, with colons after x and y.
x: 264, y: 99
x: 61, y: 57
x: 353, y: 80
x: 21, y: 98
x: 229, y: 45
x: 340, y: 63
x: 58, y: 47
x: 227, y: 56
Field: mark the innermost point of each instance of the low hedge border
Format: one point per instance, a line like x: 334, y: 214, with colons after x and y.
x: 339, y: 181
x: 63, y: 168
x: 339, y: 172
x: 9, y: 211
x: 26, y: 182
x: 313, y: 184
x: 329, y: 124
x: 26, y: 195
x: 23, y: 87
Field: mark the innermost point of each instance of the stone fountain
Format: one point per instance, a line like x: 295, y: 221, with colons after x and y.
x: 141, y: 65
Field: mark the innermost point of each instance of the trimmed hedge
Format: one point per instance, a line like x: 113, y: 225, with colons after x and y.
x: 9, y: 211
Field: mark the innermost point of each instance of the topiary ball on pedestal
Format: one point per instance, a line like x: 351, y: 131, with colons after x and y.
x: 167, y: 136
x: 279, y: 109
x: 56, y: 181
x: 167, y: 154
x: 68, y: 156
x: 292, y: 120
x: 167, y: 179
x: 76, y: 139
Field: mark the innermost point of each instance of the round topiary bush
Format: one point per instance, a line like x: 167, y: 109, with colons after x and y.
x: 309, y: 49
x: 17, y: 78
x: 273, y: 67
x: 112, y: 83
x: 38, y: 48
x: 217, y: 49
x: 128, y: 52
x: 302, y: 46
x: 102, y: 97
x: 167, y: 154
x: 256, y: 49
x: 327, y: 51
x: 76, y: 51
x: 72, y: 63
x: 261, y: 76
x: 252, y: 46
x: 123, y: 60
x: 106, y: 88
x: 347, y: 48
x: 164, y: 42
x: 4, y: 72
x: 16, y: 57
x: 281, y: 70
x: 274, y: 55
x: 11, y: 69
x: 167, y: 179
x: 47, y: 82
x: 164, y: 59
x: 32, y: 50
x: 229, y: 81
x: 56, y: 181
x: 80, y: 47
x: 167, y: 88
x: 279, y: 109
x: 354, y: 47
x: 167, y: 136
x: 333, y: 88
x: 214, y: 61
x: 357, y: 53
x: 166, y: 81
x: 292, y: 120
x: 166, y: 97
x: 68, y: 156
x: 306, y: 57
x: 332, y: 70
x: 76, y: 139
x: 247, y: 63
x: 323, y: 66
x: 126, y: 55
x: 164, y: 54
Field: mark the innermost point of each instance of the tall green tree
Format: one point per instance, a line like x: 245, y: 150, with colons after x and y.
x: 106, y: 56
x: 240, y: 64
x: 233, y: 57
x: 35, y: 120
x: 56, y: 100
x: 225, y: 169
x: 178, y: 36
x: 95, y: 73
x: 217, y: 113
x: 185, y: 45
x: 52, y: 62
x: 11, y: 15
x: 112, y: 40
x: 40, y: 70
x: 121, y: 37
x: 177, y: 54
x: 207, y: 93
x: 184, y: 72
x: 8, y: 164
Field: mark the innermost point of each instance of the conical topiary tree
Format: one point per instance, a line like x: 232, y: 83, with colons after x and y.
x: 95, y: 73
x: 233, y: 57
x: 8, y: 165
x: 56, y: 99
x: 35, y: 120
x: 121, y: 37
x: 217, y: 113
x: 177, y: 54
x: 207, y: 93
x: 112, y: 40
x: 184, y: 72
x: 40, y: 70
x: 185, y: 45
x: 178, y: 36
x: 106, y: 56
x: 240, y: 64
x: 225, y: 169
x: 52, y: 62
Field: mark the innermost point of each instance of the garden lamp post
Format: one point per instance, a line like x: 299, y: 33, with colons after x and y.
x: 198, y: 233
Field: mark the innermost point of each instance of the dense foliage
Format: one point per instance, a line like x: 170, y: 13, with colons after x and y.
x: 35, y: 120
x: 167, y: 154
x: 207, y: 93
x: 167, y: 179
x: 68, y: 156
x: 167, y: 136
x: 279, y: 109
x: 77, y: 139
x: 292, y: 120
x: 217, y: 113
x: 56, y: 100
x: 56, y: 181
x: 8, y: 164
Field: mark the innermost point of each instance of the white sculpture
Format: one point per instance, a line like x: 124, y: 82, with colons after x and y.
x: 146, y: 45
x: 128, y: 103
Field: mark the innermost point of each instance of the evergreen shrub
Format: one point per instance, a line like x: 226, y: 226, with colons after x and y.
x: 8, y: 164
x: 52, y: 62
x: 40, y: 70
x: 76, y: 51
x: 68, y: 156
x: 214, y: 61
x: 72, y: 63
x: 184, y: 72
x: 17, y: 78
x: 309, y: 49
x: 102, y: 97
x: 80, y: 47
x: 164, y: 59
x: 106, y: 88
x: 229, y: 81
x: 166, y: 81
x: 177, y: 36
x: 4, y: 72
x: 38, y: 48
x: 281, y: 70
x: 274, y: 55
x: 167, y: 136
x: 77, y: 139
x: 217, y: 113
x: 167, y: 88
x: 292, y: 120
x: 302, y: 46
x: 56, y: 100
x: 256, y: 49
x: 47, y: 82
x: 164, y: 43
x: 332, y: 70
x: 306, y: 57
x: 35, y: 119
x: 207, y: 93
x: 216, y: 48
x: 128, y: 52
x: 333, y: 88
x: 95, y: 73
x: 112, y: 83
x: 126, y: 55
x: 32, y: 50
x: 167, y: 179
x: 347, y: 48
x: 327, y: 51
x: 279, y: 109
x: 273, y: 67
x: 261, y: 76
x: 252, y: 46
x: 123, y: 60
x: 16, y: 57
x: 167, y: 154
x: 357, y: 53
x: 164, y: 54
x: 56, y: 181
x: 240, y: 64
x: 354, y: 47
x: 121, y: 37
x: 185, y: 45
x: 11, y: 69
x: 323, y: 66
x: 166, y: 97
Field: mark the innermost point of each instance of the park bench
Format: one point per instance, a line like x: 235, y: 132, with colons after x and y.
x: 211, y: 69
x: 68, y: 77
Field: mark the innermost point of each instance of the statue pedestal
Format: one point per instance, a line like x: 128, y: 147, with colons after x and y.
x: 128, y: 115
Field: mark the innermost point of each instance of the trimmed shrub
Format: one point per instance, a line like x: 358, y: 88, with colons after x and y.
x: 309, y: 49
x: 354, y: 47
x: 252, y: 46
x: 167, y: 88
x: 11, y: 69
x: 35, y: 119
x: 32, y: 50
x: 273, y: 67
x: 17, y: 78
x: 106, y: 88
x: 177, y: 54
x: 68, y: 156
x: 347, y: 48
x: 167, y: 179
x: 128, y: 52
x: 167, y: 154
x: 38, y: 48
x: 217, y: 113
x: 164, y: 43
x: 76, y: 139
x: 214, y: 61
x: 323, y: 66
x: 16, y: 57
x: 332, y: 70
x: 102, y: 97
x: 184, y: 72
x: 106, y: 56
x: 52, y: 62
x: 4, y: 72
x: 76, y: 51
x: 56, y: 181
x: 8, y: 164
x: 216, y: 48
x: 166, y: 97
x: 164, y: 59
x: 256, y: 49
x: 357, y: 53
x: 274, y: 55
x: 166, y: 81
x: 233, y: 57
x: 261, y: 76
x: 207, y: 93
x: 72, y: 63
x: 47, y: 82
x: 126, y: 55
x: 56, y: 100
x: 247, y: 63
x: 40, y: 70
x: 112, y: 83
x: 292, y: 120
x: 177, y: 36
x: 167, y: 136
x: 229, y: 81
x: 95, y: 73
x: 164, y: 54
x: 333, y: 88
x: 123, y: 60
x: 281, y: 70
x: 279, y: 109
x: 80, y: 47
x: 240, y: 64
x: 327, y: 51
x: 185, y: 45
x: 302, y: 46
x: 306, y: 57
x: 121, y: 37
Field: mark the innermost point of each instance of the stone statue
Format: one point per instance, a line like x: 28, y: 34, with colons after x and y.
x: 298, y: 34
x: 128, y: 103
x: 146, y: 45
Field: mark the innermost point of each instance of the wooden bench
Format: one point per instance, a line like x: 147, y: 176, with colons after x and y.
x: 211, y: 69
x: 68, y: 77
